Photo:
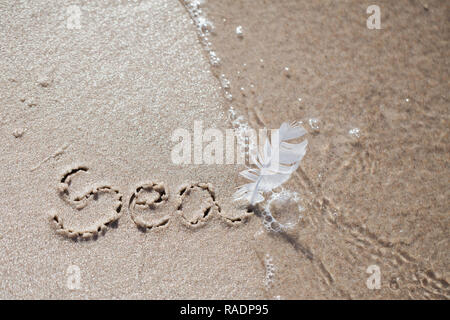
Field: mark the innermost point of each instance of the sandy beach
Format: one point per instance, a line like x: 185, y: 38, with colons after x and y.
x: 95, y: 97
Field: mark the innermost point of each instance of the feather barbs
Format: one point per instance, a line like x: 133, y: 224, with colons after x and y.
x: 275, y: 163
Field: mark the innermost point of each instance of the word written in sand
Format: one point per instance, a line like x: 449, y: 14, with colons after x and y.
x: 151, y: 206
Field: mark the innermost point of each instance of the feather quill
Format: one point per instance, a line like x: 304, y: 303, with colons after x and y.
x: 274, y: 164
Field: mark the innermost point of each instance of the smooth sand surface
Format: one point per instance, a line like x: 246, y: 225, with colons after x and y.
x: 86, y: 122
x: 112, y: 94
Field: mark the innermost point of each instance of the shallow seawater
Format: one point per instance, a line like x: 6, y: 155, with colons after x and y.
x: 374, y: 182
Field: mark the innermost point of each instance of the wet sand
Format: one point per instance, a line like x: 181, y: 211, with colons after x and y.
x: 87, y: 117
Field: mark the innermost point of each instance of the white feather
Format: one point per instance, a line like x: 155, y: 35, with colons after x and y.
x: 272, y: 170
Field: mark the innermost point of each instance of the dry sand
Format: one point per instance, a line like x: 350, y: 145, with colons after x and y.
x: 86, y: 122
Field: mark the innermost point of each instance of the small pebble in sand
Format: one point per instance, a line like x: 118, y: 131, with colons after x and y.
x: 287, y: 72
x: 32, y: 102
x: 43, y: 81
x: 18, y: 133
x: 239, y: 32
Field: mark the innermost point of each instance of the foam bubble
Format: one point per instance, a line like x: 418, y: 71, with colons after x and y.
x: 204, y: 28
x: 282, y: 211
x: 213, y: 58
x: 239, y: 32
x: 228, y: 96
x: 270, y: 271
x: 314, y: 124
x: 224, y: 81
x: 355, y: 132
x: 205, y: 25
x: 241, y: 129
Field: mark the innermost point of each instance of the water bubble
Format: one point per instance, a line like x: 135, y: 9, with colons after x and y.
x: 239, y: 32
x: 314, y: 124
x: 270, y: 271
x: 205, y: 25
x: 275, y: 226
x: 194, y: 4
x: 232, y: 113
x: 215, y: 60
x: 393, y: 284
x: 228, y: 96
x: 355, y: 132
x: 224, y: 81
x: 282, y: 211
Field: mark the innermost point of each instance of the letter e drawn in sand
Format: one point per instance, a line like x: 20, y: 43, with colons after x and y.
x: 148, y: 206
